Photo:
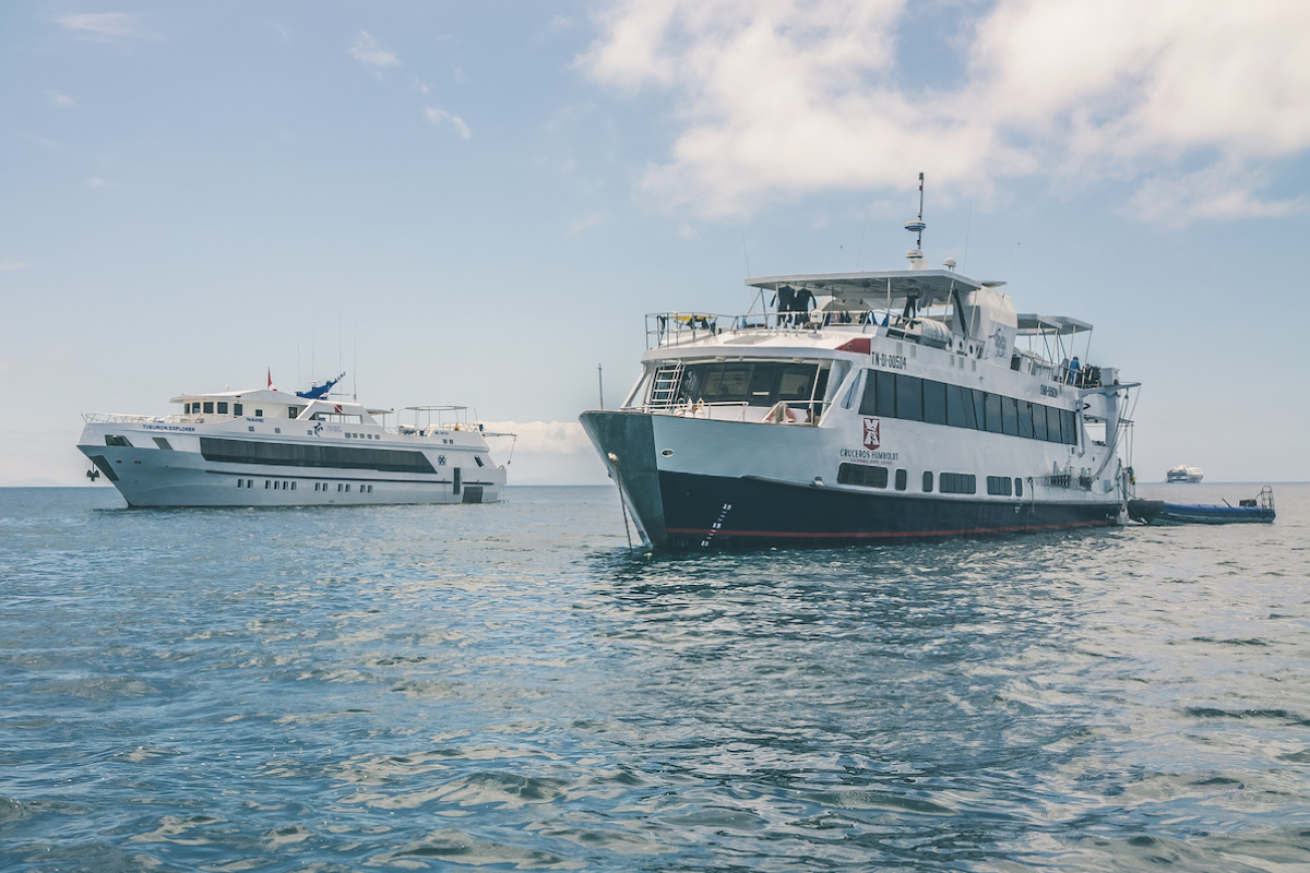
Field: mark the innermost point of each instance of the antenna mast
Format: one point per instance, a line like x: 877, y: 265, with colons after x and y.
x: 916, y: 227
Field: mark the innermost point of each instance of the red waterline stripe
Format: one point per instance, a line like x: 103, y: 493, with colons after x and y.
x: 878, y: 534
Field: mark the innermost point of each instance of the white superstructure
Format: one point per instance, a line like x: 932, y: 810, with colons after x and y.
x: 265, y: 447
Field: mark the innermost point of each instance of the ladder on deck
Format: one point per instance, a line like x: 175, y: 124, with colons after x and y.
x: 664, y: 388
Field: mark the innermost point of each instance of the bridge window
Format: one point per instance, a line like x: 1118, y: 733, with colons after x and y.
x: 992, y: 417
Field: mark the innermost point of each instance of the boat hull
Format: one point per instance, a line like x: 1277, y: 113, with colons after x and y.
x: 148, y: 477
x: 682, y: 509
x: 1158, y: 512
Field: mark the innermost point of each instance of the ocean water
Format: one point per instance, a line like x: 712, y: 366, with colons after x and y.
x: 508, y: 687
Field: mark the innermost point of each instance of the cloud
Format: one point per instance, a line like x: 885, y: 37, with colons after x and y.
x: 578, y: 225
x: 546, y: 453
x: 551, y: 437
x: 280, y: 29
x: 368, y: 52
x: 776, y: 99
x: 441, y: 116
x: 419, y: 85
x: 558, y: 24
x: 1218, y: 193
x: 11, y: 265
x: 63, y: 101
x: 104, y: 25
x: 97, y: 182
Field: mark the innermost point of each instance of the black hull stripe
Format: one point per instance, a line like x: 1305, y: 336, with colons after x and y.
x: 703, y: 511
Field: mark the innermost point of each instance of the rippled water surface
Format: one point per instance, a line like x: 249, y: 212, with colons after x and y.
x: 509, y: 688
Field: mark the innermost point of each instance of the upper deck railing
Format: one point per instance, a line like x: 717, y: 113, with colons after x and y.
x: 679, y: 328
x: 422, y: 430
x: 674, y: 329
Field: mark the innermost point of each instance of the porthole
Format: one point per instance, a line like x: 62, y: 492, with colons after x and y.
x: 668, y: 453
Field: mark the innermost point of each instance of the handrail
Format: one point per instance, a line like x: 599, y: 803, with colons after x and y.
x: 117, y: 417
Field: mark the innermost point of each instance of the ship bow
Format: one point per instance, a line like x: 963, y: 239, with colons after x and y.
x: 626, y: 442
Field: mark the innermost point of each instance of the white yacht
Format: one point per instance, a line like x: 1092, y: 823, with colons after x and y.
x: 264, y: 447
x: 1184, y: 473
x: 865, y: 407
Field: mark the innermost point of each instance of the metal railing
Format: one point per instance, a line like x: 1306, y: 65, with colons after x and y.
x: 664, y: 329
x: 119, y: 417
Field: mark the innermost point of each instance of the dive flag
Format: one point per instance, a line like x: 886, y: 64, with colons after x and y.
x: 271, y: 386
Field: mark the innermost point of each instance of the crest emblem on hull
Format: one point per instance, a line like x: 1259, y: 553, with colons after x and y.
x: 872, y: 433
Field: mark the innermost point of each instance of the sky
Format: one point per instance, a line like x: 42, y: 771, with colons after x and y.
x: 476, y: 203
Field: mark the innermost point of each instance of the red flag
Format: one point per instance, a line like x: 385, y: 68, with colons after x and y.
x: 271, y: 386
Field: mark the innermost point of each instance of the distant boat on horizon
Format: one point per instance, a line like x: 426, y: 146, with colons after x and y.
x: 1183, y: 473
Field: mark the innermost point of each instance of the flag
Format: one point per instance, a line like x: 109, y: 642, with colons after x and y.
x: 271, y: 386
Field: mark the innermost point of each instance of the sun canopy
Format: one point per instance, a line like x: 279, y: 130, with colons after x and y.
x: 873, y: 287
x: 1035, y: 325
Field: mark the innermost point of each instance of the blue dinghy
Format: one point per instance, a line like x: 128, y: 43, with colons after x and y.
x: 1257, y: 510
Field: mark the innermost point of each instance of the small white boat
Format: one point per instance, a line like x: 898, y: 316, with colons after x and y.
x: 264, y: 447
x: 1183, y: 473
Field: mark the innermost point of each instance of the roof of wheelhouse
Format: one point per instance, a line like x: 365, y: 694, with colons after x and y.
x: 875, y: 286
x: 264, y: 395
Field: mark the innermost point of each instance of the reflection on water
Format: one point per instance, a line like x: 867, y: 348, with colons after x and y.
x: 508, y: 687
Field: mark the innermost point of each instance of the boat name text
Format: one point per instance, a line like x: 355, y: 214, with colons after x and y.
x: 174, y: 427
x: 866, y: 455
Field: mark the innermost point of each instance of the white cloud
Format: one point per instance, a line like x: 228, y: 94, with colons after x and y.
x: 1217, y: 193
x: 578, y: 225
x: 104, y: 25
x: 551, y: 437
x: 420, y: 86
x: 96, y: 182
x: 780, y: 98
x: 370, y: 53
x: 558, y: 24
x: 441, y: 116
x: 63, y: 101
x: 11, y: 265
x: 546, y: 453
x: 280, y: 29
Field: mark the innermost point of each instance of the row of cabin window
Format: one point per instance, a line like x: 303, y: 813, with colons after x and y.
x: 296, y: 455
x: 896, y: 395
x: 948, y: 483
x: 210, y: 407
x: 284, y: 485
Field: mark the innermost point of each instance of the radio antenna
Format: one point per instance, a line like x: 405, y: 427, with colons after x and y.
x: 1012, y: 260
